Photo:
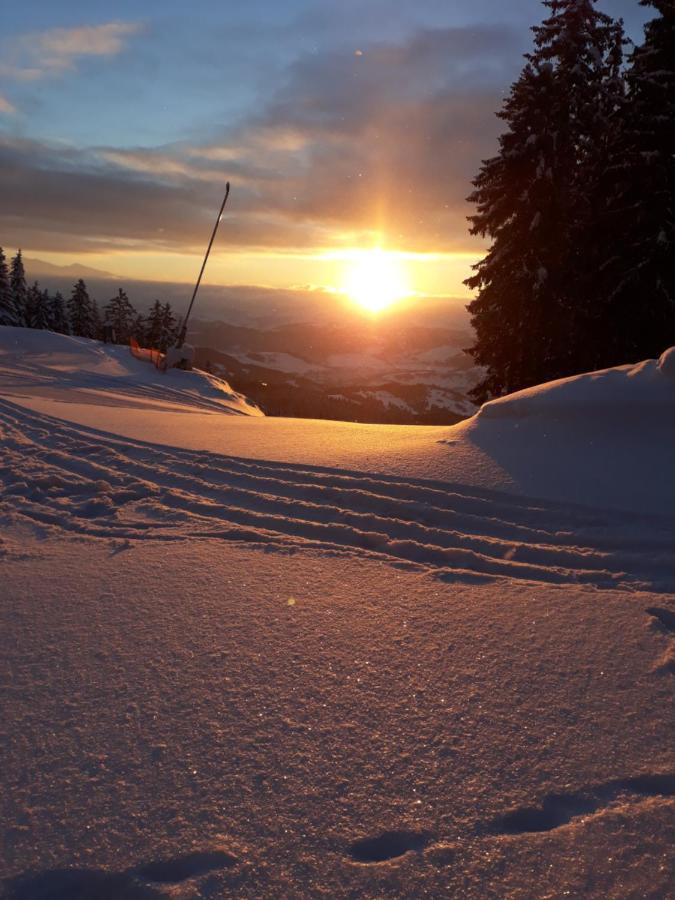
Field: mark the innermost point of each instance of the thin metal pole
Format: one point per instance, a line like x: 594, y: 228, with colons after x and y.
x: 183, y: 331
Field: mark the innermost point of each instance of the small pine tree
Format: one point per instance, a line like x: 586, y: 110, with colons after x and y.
x: 138, y: 328
x: 81, y: 312
x: 153, y: 326
x: 8, y: 314
x: 57, y: 315
x: 37, y: 308
x: 533, y: 201
x: 120, y: 315
x: 17, y: 280
x: 169, y: 326
x: 96, y: 319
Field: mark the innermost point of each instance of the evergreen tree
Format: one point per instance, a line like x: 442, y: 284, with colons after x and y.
x: 120, y: 314
x: 97, y: 326
x: 17, y: 281
x: 81, y: 312
x: 636, y: 303
x: 37, y: 308
x: 153, y: 326
x: 176, y: 332
x: 32, y: 293
x: 7, y: 310
x: 139, y: 328
x: 169, y: 326
x: 533, y: 200
x: 57, y: 315
x: 161, y: 327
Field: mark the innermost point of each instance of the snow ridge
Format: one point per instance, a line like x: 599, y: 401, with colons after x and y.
x: 67, y: 478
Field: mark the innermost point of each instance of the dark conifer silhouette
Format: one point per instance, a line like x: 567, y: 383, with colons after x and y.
x: 634, y: 234
x: 139, y: 328
x: 57, y: 315
x: 8, y: 314
x: 120, y: 315
x: 38, y: 308
x: 81, y: 312
x: 169, y: 327
x: 96, y: 318
x: 161, y: 327
x: 533, y: 200
x: 17, y: 280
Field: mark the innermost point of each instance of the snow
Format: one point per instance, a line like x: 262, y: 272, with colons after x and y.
x: 281, y: 362
x: 449, y: 400
x: 605, y: 439
x: 72, y: 369
x: 278, y: 658
x: 355, y: 362
x: 386, y: 398
x: 667, y: 363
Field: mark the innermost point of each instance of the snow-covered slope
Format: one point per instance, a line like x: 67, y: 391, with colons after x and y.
x: 57, y: 365
x: 269, y: 658
x: 605, y: 439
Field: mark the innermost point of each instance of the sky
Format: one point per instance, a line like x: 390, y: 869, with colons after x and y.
x: 341, y: 126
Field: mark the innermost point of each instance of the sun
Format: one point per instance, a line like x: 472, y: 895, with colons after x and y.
x: 375, y: 279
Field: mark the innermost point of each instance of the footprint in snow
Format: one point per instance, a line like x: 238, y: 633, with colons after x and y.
x: 190, y: 865
x: 557, y: 810
x: 80, y: 884
x: 388, y: 845
x: 97, y: 884
x: 663, y: 619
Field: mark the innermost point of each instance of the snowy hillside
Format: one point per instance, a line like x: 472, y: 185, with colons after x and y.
x: 268, y: 658
x: 50, y: 364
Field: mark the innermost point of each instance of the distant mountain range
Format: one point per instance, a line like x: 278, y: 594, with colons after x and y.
x: 37, y: 267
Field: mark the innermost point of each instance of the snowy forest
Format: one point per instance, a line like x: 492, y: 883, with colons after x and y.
x: 30, y: 306
x: 579, y: 204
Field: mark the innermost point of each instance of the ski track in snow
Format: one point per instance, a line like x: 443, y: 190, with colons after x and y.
x: 67, y: 478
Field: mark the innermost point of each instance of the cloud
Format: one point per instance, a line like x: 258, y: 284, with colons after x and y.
x: 347, y: 147
x: 6, y: 106
x: 56, y: 198
x: 36, y: 55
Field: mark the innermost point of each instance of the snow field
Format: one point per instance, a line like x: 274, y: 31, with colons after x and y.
x: 179, y: 727
x: 277, y: 658
x: 73, y: 480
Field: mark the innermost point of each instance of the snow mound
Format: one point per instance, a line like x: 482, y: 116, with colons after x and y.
x: 606, y: 438
x: 73, y: 368
x: 667, y: 363
x: 607, y: 393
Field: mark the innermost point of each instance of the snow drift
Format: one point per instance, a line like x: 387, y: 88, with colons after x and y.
x: 604, y: 438
x: 109, y: 373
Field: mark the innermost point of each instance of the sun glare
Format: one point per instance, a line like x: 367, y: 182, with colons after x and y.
x: 375, y: 279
